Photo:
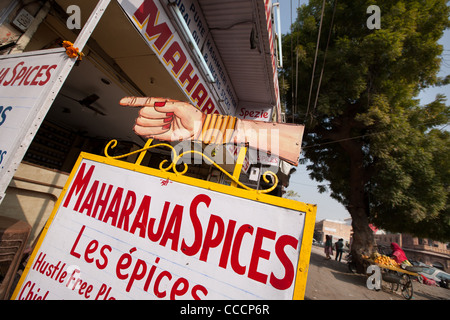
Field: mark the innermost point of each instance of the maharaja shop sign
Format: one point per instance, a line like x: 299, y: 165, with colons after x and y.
x: 152, y: 21
x: 123, y: 232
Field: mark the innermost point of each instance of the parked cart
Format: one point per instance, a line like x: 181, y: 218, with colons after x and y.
x: 397, y: 277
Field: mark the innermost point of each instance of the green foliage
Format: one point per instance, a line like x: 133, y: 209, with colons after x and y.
x: 368, y: 135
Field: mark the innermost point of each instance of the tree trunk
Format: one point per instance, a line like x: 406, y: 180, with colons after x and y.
x: 363, y: 239
x: 358, y: 207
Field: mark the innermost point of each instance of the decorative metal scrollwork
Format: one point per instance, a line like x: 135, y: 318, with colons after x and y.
x: 176, y: 158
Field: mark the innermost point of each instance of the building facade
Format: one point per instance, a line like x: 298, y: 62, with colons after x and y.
x: 334, y: 228
x: 221, y: 56
x: 427, y: 251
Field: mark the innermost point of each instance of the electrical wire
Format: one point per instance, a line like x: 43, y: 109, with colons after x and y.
x: 368, y: 134
x: 315, y: 59
x: 325, y: 57
x: 295, y: 105
x: 292, y: 69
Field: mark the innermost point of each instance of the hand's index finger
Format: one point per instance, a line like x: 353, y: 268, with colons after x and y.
x: 136, y: 102
x: 142, y: 101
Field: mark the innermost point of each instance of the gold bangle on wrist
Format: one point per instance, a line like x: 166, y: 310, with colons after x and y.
x: 217, y: 129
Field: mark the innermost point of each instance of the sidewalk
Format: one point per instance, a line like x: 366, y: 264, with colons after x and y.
x: 331, y: 280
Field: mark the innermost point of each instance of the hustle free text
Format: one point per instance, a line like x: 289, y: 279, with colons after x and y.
x: 65, y: 275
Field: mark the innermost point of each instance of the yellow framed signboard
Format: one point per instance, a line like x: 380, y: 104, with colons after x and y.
x: 123, y: 231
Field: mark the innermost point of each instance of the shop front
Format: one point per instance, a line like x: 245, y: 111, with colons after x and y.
x: 221, y: 57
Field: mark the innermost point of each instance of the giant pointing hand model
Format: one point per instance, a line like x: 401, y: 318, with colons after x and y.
x: 173, y: 120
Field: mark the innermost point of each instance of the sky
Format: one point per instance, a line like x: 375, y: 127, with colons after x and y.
x: 328, y: 208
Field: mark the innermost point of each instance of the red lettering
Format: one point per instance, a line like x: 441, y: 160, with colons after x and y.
x: 32, y: 294
x: 175, y: 225
x: 286, y: 282
x: 148, y: 10
x: 199, y: 95
x: 209, y: 107
x: 103, y: 265
x: 72, y: 251
x: 73, y: 277
x: 20, y: 75
x: 175, y: 56
x: 227, y: 244
x: 25, y: 76
x: 210, y: 241
x: 258, y: 253
x: 156, y: 291
x: 114, y: 207
x: 156, y: 236
x: 24, y: 287
x: 25, y: 79
x: 124, y: 263
x: 186, y: 76
x: 200, y: 288
x: 3, y: 74
x: 6, y: 83
x: 196, y: 245
x: 176, y: 291
x: 90, y: 199
x: 139, y: 271
x: 91, y: 248
x: 127, y: 209
x: 79, y: 185
x: 246, y: 228
x: 104, y: 290
x: 102, y: 202
x: 228, y: 241
x: 48, y: 75
x: 253, y: 114
x: 141, y: 219
x: 38, y: 75
x: 150, y: 275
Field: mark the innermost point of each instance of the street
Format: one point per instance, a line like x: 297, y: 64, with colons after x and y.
x: 331, y: 280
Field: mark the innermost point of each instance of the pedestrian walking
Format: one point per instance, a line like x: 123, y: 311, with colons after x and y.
x: 328, y: 246
x: 339, y: 245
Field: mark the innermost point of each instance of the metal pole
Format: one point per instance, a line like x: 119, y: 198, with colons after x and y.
x: 90, y: 25
x: 238, y: 166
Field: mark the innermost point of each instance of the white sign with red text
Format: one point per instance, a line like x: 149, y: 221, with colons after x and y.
x: 25, y: 83
x: 253, y: 113
x: 117, y: 233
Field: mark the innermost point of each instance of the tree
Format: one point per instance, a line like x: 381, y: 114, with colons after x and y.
x: 382, y: 153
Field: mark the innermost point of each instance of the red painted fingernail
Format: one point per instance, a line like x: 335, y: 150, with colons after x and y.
x: 168, y: 119
x: 160, y: 104
x: 167, y: 126
x: 169, y: 114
